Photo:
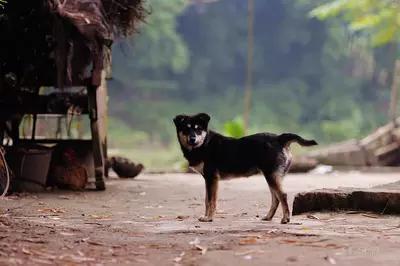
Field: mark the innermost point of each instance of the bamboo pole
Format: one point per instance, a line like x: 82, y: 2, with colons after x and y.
x: 249, y: 67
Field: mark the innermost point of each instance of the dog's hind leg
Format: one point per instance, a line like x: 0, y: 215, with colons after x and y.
x: 211, y: 199
x: 275, y: 184
x: 274, y: 201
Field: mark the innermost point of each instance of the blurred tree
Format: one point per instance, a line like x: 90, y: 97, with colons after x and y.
x: 158, y: 51
x: 380, y: 19
x: 376, y: 20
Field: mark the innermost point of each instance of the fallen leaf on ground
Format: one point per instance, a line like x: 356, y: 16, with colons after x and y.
x: 77, y: 259
x: 12, y: 197
x: 371, y: 215
x: 292, y: 259
x: 95, y: 216
x: 179, y: 258
x: 34, y: 240
x: 353, y: 212
x: 331, y: 245
x: 63, y: 197
x: 330, y: 260
x: 248, y: 241
x: 289, y: 241
x: 248, y: 257
x: 83, y: 239
x: 44, y: 255
x: 310, y: 216
x: 66, y: 234
x: 94, y: 243
x: 96, y: 223
x: 202, y: 249
x: 142, y: 193
x: 53, y: 210
x: 182, y: 217
x: 26, y: 251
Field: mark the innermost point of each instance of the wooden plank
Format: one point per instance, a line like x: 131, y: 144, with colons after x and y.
x: 98, y: 156
x: 29, y: 104
x: 389, y: 154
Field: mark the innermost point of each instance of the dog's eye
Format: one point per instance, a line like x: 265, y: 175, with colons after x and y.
x: 196, y: 126
x: 189, y: 125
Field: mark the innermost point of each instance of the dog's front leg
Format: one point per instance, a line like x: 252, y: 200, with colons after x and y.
x: 211, y: 197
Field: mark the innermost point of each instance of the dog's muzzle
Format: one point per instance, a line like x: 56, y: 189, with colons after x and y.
x: 192, y: 140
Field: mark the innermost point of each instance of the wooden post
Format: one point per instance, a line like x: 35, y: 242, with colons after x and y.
x: 102, y: 110
x: 97, y: 94
x: 98, y: 156
x: 34, y: 127
x: 106, y: 75
x: 249, y: 68
x: 394, y: 93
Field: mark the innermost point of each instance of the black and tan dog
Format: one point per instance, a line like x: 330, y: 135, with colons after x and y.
x: 219, y: 157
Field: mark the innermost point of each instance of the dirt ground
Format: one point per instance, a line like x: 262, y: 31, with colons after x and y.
x: 152, y: 220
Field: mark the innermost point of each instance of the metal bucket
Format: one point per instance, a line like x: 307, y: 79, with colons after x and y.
x: 30, y: 163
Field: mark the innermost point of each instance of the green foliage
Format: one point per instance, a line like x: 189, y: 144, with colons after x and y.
x: 338, y: 130
x: 122, y: 135
x: 2, y: 3
x: 234, y: 128
x: 378, y: 18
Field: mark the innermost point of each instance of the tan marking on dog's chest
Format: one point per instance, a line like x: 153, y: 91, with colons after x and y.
x: 198, y: 168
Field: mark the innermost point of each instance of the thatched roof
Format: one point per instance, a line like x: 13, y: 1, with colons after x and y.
x: 54, y: 42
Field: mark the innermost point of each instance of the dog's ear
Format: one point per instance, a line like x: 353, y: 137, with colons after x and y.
x: 178, y: 120
x: 205, y: 118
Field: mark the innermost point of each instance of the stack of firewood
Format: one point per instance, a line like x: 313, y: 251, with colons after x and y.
x: 380, y: 148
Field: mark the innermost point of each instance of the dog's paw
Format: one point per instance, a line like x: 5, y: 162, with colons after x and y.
x: 267, y: 218
x: 285, y: 220
x: 205, y: 219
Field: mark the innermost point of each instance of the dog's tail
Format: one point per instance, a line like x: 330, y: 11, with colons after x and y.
x: 287, y: 138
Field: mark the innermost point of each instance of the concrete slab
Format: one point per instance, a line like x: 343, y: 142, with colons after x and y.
x: 373, y: 200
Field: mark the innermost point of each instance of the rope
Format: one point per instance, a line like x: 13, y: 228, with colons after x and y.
x: 7, y: 172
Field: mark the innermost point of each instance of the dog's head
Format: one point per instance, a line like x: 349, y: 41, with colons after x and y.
x: 192, y: 130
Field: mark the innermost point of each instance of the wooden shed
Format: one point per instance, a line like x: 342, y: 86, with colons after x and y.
x: 62, y: 44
